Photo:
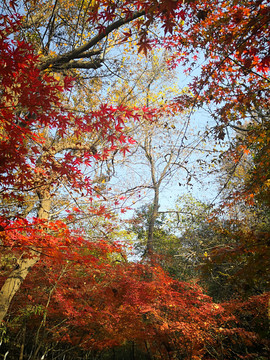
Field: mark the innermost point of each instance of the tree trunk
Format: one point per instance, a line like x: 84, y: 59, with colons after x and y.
x: 23, y: 265
x: 14, y: 281
x: 152, y: 220
x: 23, y: 342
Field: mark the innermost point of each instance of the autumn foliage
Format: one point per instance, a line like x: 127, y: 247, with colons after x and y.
x: 231, y: 40
x: 97, y: 305
x: 77, y: 292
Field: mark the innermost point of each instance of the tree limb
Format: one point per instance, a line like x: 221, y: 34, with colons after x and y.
x: 60, y: 60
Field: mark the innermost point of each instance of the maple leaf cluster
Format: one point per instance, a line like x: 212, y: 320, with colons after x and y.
x: 230, y: 41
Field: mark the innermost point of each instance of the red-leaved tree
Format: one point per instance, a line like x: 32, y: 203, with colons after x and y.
x: 38, y: 156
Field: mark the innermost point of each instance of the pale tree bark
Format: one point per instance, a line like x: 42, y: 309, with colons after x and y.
x: 24, y: 264
x: 151, y: 226
x: 14, y: 281
x: 156, y: 179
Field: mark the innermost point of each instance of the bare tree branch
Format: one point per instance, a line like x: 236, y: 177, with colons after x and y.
x: 60, y: 61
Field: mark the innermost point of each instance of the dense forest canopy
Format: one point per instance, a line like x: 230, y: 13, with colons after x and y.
x: 95, y: 127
